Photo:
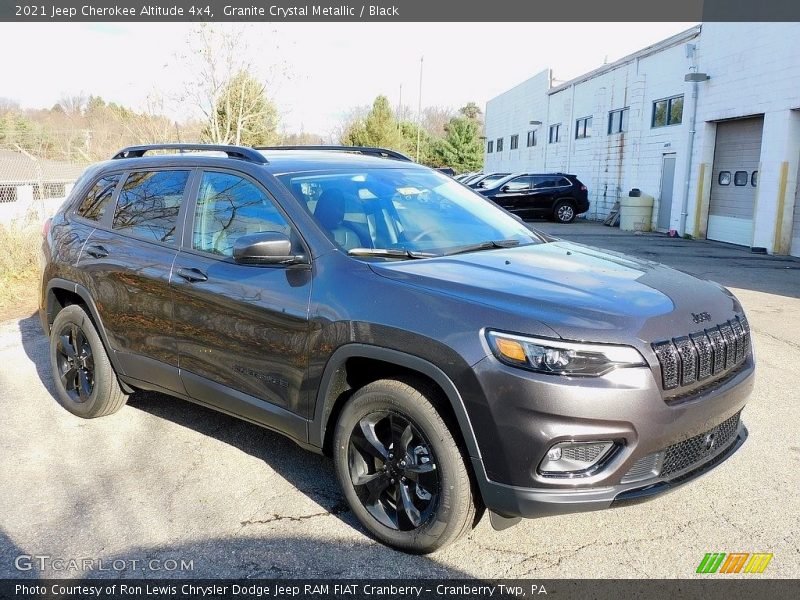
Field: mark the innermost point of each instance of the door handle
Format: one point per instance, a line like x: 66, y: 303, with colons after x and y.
x: 192, y: 275
x: 97, y: 251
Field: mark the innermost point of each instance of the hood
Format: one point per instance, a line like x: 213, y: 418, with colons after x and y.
x: 580, y: 292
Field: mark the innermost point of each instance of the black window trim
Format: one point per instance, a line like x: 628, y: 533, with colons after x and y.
x: 513, y: 143
x: 108, y: 218
x: 586, y: 120
x: 746, y: 178
x: 187, y: 226
x: 611, y: 113
x: 668, y: 100
x: 489, y: 146
x: 719, y: 178
x: 550, y: 133
x: 80, y: 196
x: 531, y: 136
x: 499, y: 143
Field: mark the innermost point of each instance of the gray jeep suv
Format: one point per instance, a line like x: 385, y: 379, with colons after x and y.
x: 448, y: 358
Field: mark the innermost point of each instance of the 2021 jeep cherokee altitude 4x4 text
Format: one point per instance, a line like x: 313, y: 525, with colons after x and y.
x: 444, y: 355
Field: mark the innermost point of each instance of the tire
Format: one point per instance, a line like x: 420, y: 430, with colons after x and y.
x: 564, y: 211
x: 431, y: 477
x: 86, y: 384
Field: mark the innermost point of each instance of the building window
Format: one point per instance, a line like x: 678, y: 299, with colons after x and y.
x: 490, y: 147
x: 514, y: 142
x: 724, y: 178
x: 618, y: 121
x: 668, y: 111
x: 740, y: 178
x: 555, y: 133
x: 531, y: 138
x: 754, y: 179
x: 499, y: 144
x: 583, y: 128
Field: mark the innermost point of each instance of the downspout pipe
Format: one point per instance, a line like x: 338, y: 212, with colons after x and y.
x: 689, y: 153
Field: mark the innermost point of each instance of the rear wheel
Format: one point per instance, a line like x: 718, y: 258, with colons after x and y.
x: 85, y: 382
x: 564, y: 211
x: 400, y: 468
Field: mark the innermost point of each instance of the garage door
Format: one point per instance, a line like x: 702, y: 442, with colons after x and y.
x: 734, y: 181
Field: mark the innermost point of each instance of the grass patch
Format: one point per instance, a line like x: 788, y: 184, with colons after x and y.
x: 19, y: 267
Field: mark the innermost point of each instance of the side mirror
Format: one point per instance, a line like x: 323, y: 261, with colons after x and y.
x: 266, y: 248
x: 505, y: 188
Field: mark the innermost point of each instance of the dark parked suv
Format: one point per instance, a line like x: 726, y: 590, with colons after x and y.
x: 558, y: 196
x: 447, y: 358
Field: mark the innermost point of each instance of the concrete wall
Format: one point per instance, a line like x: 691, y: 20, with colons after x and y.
x: 754, y: 69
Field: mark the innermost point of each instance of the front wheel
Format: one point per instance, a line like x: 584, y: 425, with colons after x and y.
x: 400, y: 468
x: 564, y: 212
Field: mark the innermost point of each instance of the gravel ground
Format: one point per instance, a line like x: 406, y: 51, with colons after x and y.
x: 167, y: 480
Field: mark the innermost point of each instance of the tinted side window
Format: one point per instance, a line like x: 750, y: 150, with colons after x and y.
x: 229, y: 207
x: 545, y: 181
x: 517, y: 185
x: 149, y: 203
x: 93, y: 206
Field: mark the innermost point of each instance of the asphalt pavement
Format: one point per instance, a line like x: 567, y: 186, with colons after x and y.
x: 167, y: 488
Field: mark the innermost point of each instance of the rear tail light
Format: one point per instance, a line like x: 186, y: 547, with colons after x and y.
x: 46, y: 227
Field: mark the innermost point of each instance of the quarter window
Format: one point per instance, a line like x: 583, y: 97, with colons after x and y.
x: 668, y: 111
x: 149, y: 203
x: 514, y: 142
x: 555, y: 133
x: 618, y: 121
x: 499, y: 144
x: 531, y: 138
x: 229, y: 207
x: 583, y: 128
x: 93, y: 206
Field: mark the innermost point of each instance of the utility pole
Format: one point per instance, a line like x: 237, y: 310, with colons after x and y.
x: 419, y: 107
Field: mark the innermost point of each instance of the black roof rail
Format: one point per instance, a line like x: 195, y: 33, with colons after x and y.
x: 240, y: 152
x: 371, y: 151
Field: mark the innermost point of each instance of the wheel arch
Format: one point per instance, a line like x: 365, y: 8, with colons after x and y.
x: 334, y: 390
x: 60, y: 290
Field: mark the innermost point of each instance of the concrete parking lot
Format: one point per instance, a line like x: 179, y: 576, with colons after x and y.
x: 167, y: 480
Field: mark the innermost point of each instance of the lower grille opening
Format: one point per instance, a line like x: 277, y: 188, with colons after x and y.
x: 686, y: 454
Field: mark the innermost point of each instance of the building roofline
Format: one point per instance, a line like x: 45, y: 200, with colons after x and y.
x: 669, y: 42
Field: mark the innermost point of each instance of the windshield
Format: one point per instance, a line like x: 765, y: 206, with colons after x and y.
x: 417, y: 212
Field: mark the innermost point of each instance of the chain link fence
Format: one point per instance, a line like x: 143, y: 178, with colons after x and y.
x: 32, y: 182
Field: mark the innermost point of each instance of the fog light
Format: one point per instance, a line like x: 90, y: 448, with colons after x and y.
x: 575, y: 459
x: 554, y: 453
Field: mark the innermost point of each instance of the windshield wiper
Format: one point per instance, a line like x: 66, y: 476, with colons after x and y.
x: 388, y: 253
x: 488, y: 245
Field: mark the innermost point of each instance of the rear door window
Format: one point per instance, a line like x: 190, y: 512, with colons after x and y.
x: 94, y: 204
x: 149, y: 203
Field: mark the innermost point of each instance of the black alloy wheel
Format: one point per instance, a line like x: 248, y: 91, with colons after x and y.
x: 393, y: 470
x: 75, y: 362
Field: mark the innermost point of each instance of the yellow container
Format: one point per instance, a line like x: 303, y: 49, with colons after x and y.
x: 635, y: 213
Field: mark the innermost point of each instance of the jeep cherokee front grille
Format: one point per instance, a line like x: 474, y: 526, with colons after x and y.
x: 687, y: 359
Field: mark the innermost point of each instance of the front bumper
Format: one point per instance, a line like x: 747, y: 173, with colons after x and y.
x: 532, y: 412
x: 511, y: 501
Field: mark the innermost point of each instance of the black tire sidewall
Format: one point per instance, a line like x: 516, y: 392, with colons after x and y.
x: 444, y: 524
x: 74, y: 314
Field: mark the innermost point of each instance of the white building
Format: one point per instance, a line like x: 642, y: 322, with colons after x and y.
x: 732, y: 177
